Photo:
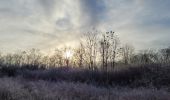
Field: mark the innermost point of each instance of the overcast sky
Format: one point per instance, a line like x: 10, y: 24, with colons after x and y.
x: 46, y: 24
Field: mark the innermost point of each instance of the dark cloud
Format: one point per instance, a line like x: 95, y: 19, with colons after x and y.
x: 93, y: 11
x: 63, y: 24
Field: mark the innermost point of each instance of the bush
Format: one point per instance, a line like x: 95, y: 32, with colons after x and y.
x: 8, y: 71
x: 143, y: 76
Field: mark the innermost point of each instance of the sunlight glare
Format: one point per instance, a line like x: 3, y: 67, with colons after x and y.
x: 68, y: 54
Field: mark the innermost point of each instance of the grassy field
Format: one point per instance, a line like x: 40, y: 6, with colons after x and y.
x: 150, y: 82
x: 20, y: 89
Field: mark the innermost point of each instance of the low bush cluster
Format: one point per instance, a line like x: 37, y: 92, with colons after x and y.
x: 144, y: 76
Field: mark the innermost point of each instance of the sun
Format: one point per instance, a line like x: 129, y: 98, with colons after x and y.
x: 68, y: 54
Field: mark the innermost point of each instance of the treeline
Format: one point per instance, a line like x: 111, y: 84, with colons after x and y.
x: 95, y: 51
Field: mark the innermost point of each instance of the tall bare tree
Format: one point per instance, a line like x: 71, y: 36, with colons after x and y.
x: 114, y: 47
x: 108, y: 48
x: 104, y: 43
x: 91, y: 40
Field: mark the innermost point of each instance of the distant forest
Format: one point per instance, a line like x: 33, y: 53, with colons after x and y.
x: 95, y: 51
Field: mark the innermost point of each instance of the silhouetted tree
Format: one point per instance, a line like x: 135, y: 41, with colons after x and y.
x: 109, y: 49
x: 105, y: 44
x: 165, y: 55
x: 79, y: 55
x: 127, y: 53
x: 33, y: 58
x: 91, y: 40
x: 1, y: 59
x: 145, y: 57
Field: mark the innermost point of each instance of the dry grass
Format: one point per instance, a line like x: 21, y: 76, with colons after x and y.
x: 20, y: 89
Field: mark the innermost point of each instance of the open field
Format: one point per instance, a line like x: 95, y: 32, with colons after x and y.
x: 137, y: 83
x: 20, y: 89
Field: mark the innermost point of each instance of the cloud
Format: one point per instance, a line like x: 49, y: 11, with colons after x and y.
x: 93, y: 11
x: 48, y: 6
x: 44, y: 23
x: 139, y: 22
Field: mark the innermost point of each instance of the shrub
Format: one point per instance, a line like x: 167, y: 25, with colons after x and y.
x: 141, y: 76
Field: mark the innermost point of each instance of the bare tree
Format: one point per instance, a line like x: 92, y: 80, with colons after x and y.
x: 104, y: 43
x: 45, y: 61
x: 1, y: 59
x: 165, y: 55
x: 114, y: 47
x: 79, y: 55
x: 109, y: 47
x: 57, y: 59
x: 145, y: 57
x: 17, y: 59
x: 91, y: 48
x: 34, y: 57
x: 8, y: 61
x: 127, y: 53
x: 60, y: 59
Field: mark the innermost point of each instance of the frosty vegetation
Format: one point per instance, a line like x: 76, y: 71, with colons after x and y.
x: 19, y: 89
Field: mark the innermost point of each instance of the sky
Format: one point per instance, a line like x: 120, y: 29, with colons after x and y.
x: 47, y: 24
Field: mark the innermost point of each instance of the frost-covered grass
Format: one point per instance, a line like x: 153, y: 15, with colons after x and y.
x: 20, y: 89
x: 149, y: 82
